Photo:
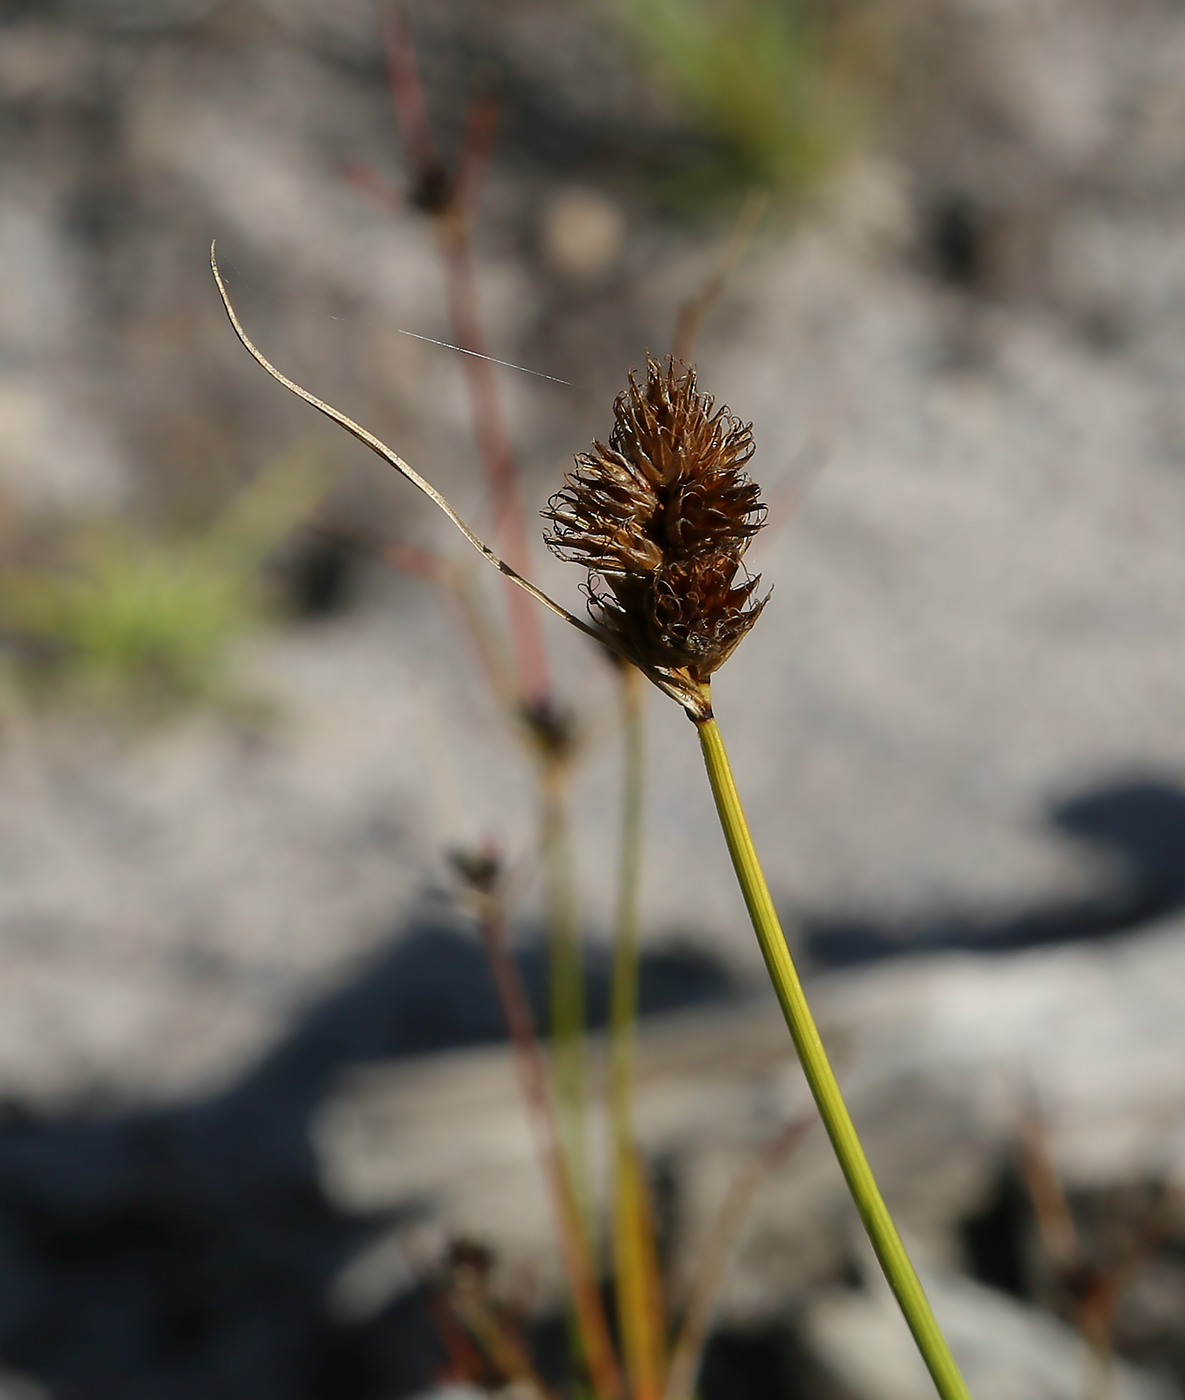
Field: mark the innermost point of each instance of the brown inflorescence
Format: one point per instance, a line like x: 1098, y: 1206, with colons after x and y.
x: 661, y: 518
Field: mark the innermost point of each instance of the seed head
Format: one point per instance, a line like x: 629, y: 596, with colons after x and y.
x: 661, y: 518
x: 479, y: 868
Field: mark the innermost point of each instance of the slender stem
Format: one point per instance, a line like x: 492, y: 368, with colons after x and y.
x: 716, y: 1254
x: 639, y: 1304
x: 636, y: 1276
x: 453, y: 199
x: 693, y: 310
x: 624, y: 1005
x: 498, y: 1341
x: 819, y: 1075
x: 497, y: 454
x: 566, y: 977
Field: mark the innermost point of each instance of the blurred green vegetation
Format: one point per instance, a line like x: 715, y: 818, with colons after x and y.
x: 782, y: 87
x: 147, y: 621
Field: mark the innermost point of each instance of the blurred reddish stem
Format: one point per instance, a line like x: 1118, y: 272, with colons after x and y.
x: 367, y: 182
x: 451, y: 202
x: 1043, y: 1181
x: 1092, y: 1292
x: 501, y: 1344
x: 716, y: 1254
x: 475, y: 155
x: 464, y: 1360
x: 1093, y: 1289
x: 411, y: 111
x: 586, y: 1298
x: 414, y: 560
x: 695, y: 308
x: 477, y: 624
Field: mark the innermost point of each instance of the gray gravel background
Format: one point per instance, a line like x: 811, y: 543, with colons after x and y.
x: 963, y: 366
x: 976, y: 477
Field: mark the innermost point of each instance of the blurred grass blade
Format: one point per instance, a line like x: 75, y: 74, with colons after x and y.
x: 716, y: 1255
x: 635, y: 1266
x: 782, y: 84
x: 695, y: 308
x: 137, y: 617
x: 566, y: 969
x: 267, y: 510
x: 639, y: 1289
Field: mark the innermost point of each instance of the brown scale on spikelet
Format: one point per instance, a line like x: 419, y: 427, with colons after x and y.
x: 661, y: 518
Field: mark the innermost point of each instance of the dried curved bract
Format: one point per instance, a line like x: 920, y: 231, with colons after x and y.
x: 688, y: 697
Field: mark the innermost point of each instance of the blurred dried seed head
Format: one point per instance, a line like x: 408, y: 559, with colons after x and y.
x: 432, y: 189
x: 551, y: 729
x: 661, y: 518
x: 469, y: 1260
x: 479, y: 869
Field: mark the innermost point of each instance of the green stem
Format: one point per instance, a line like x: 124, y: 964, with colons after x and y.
x: 566, y: 977
x: 624, y: 1004
x: 819, y: 1075
x: 639, y: 1308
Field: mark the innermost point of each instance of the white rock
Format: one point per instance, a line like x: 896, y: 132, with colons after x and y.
x: 1005, y: 1350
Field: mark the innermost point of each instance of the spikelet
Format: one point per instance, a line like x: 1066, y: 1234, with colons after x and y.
x: 661, y: 518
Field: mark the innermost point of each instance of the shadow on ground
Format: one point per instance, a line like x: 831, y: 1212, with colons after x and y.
x: 187, y: 1252
x: 1139, y: 824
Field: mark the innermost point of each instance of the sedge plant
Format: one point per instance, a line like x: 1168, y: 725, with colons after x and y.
x: 661, y: 517
x: 482, y: 873
x: 520, y: 680
x: 448, y: 197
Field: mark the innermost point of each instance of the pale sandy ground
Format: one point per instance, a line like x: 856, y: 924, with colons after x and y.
x: 977, y: 612
x: 977, y: 507
x: 977, y: 515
